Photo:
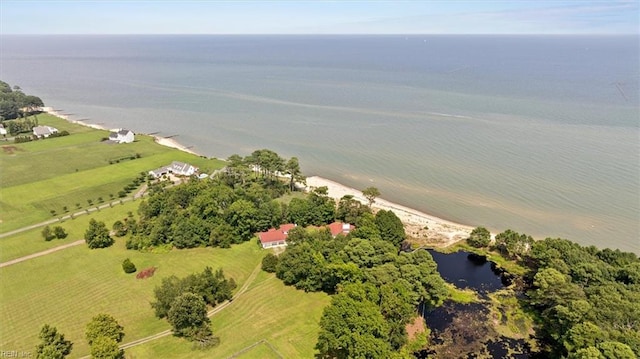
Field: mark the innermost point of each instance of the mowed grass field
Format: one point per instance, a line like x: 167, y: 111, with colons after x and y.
x: 284, y: 316
x: 31, y: 241
x: 40, y: 176
x: 66, y: 288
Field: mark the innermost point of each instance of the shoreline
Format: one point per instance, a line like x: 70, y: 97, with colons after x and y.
x: 419, y: 225
x: 163, y: 141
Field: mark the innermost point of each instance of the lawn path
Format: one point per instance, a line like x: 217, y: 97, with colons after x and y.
x: 43, y: 253
x: 138, y: 194
x: 210, y: 313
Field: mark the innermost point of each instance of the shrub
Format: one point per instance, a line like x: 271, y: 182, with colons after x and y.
x: 59, y: 232
x: 128, y: 266
x: 48, y: 234
x: 480, y: 237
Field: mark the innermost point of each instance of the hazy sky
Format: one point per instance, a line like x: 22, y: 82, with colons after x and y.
x: 319, y: 17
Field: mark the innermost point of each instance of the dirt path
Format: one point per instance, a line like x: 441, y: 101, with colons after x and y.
x: 139, y: 194
x: 43, y: 253
x: 210, y: 313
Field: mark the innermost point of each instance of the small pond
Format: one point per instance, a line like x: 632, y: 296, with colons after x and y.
x: 465, y: 330
x: 469, y: 270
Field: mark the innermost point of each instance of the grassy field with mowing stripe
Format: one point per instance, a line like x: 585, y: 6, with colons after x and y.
x: 286, y: 317
x: 67, y: 288
x: 31, y: 241
x: 47, y: 175
x: 262, y: 351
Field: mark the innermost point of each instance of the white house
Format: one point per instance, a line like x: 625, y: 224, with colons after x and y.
x: 176, y: 168
x: 44, y: 131
x: 182, y: 169
x: 122, y: 136
x: 3, y: 131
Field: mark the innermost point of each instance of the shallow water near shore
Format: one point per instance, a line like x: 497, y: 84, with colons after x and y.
x: 537, y: 134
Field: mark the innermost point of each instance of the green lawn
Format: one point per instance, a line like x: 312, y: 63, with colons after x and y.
x: 260, y: 351
x: 285, y: 317
x: 31, y: 241
x: 51, y: 174
x: 67, y: 288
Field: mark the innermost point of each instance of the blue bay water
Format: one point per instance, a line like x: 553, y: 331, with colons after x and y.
x: 535, y: 133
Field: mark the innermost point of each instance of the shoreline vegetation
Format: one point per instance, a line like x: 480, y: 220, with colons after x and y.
x: 424, y: 228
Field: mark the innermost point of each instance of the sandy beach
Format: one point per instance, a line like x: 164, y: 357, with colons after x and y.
x: 168, y: 142
x: 422, y: 227
x: 58, y: 113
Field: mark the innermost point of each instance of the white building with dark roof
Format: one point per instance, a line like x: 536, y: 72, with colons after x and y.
x: 176, y: 168
x: 122, y: 136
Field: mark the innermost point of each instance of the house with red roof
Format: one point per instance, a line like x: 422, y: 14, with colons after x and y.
x: 340, y: 228
x: 275, y: 237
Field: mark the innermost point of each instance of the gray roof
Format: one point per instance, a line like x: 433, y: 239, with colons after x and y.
x: 43, y: 130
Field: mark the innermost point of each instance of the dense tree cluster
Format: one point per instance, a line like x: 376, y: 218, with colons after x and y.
x: 211, y: 286
x: 588, y: 299
x: 229, y: 209
x: 183, y: 301
x: 377, y: 288
x: 316, y: 209
x: 14, y: 103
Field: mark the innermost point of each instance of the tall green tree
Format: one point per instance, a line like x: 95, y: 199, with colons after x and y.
x: 106, y: 348
x: 350, y: 209
x: 188, y: 315
x: 390, y: 227
x: 104, y: 325
x: 371, y: 193
x: 292, y: 168
x: 52, y: 345
x: 480, y: 237
x: 97, y: 235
